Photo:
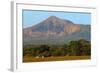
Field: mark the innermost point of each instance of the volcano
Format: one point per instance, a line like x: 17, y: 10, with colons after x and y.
x: 54, y: 29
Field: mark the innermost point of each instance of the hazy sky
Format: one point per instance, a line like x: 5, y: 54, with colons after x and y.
x: 33, y: 17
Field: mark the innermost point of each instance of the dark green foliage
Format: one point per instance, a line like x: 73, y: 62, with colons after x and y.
x: 80, y: 47
x: 73, y: 48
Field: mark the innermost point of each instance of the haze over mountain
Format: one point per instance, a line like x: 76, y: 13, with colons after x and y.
x: 55, y: 30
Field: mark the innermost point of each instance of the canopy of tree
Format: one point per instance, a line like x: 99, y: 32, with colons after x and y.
x: 73, y: 48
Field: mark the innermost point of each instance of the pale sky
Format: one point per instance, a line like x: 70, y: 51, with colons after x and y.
x: 34, y: 17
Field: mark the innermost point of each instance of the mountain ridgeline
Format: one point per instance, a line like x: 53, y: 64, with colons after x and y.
x: 55, y: 30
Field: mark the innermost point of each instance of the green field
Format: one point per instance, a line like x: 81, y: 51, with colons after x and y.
x: 61, y: 58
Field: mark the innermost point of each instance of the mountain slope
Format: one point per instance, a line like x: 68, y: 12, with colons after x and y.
x: 55, y: 30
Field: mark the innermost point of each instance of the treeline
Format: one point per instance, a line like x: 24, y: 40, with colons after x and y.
x: 73, y: 48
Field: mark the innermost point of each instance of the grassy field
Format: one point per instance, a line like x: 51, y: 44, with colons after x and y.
x: 33, y: 59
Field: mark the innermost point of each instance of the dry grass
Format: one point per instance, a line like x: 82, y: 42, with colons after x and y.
x: 33, y: 59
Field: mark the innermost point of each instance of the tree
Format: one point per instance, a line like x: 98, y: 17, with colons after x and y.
x: 85, y: 47
x: 74, y: 48
x: 79, y: 47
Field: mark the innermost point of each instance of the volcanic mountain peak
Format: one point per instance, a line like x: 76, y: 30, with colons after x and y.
x: 53, y: 17
x: 53, y: 25
x: 56, y: 20
x: 57, y: 29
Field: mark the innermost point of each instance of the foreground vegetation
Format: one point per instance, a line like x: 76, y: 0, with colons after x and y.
x: 80, y: 49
